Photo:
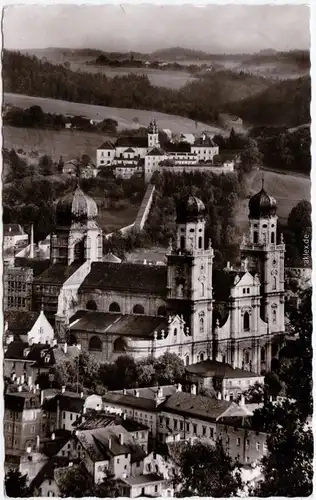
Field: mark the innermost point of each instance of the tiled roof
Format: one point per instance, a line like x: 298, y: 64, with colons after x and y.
x: 143, y: 479
x: 110, y: 257
x: 68, y: 401
x: 130, y: 401
x: 207, y: 142
x: 12, y: 230
x: 48, y: 471
x: 134, y: 141
x: 57, y: 273
x: 151, y: 392
x: 156, y: 152
x: 210, y: 368
x: 96, y: 419
x: 102, y: 444
x: 184, y: 403
x: 118, y: 324
x: 20, y: 322
x: 23, y: 351
x: 125, y: 276
x: 107, y: 145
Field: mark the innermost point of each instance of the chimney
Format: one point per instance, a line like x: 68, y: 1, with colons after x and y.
x: 219, y: 396
x: 193, y: 389
x: 53, y: 436
x: 32, y: 243
x: 20, y: 388
x: 63, y: 389
x: 65, y: 347
x: 160, y: 392
x: 124, y: 416
x: 38, y: 441
x: 228, y: 265
x: 84, y: 409
x: 124, y: 392
x: 42, y: 396
x: 121, y: 436
x: 37, y: 387
x: 179, y: 388
x: 136, y: 393
x: 110, y: 443
x: 81, y: 395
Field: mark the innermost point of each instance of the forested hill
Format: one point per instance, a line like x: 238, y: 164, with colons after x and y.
x: 202, y: 100
x: 286, y: 103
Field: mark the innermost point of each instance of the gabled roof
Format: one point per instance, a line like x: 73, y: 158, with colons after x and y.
x: 110, y: 257
x: 23, y: 351
x: 106, y: 145
x: 129, y: 150
x: 210, y: 368
x: 48, y: 471
x: 20, y: 322
x: 68, y: 401
x: 57, y: 274
x: 128, y: 277
x: 141, y: 326
x: 185, y: 403
x: 156, y: 152
x: 130, y: 401
x: 133, y: 141
x: 13, y: 230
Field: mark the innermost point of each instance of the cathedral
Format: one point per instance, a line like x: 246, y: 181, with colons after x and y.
x: 186, y: 307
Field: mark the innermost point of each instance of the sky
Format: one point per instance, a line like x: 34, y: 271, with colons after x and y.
x: 145, y: 28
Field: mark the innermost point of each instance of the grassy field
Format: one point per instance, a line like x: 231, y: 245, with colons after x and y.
x: 123, y: 116
x: 288, y: 190
x: 113, y: 219
x: 68, y: 144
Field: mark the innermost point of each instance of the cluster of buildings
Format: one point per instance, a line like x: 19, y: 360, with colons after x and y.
x: 225, y: 324
x: 144, y: 155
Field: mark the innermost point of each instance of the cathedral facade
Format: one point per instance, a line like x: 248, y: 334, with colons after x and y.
x: 186, y: 307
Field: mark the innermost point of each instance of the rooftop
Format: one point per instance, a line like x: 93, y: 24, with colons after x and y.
x: 57, y: 273
x: 128, y: 277
x: 210, y: 368
x: 130, y: 401
x: 133, y: 141
x: 13, y: 230
x: 194, y: 405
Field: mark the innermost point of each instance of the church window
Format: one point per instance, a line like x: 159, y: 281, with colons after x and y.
x: 95, y: 344
x: 175, y: 331
x: 202, y: 289
x: 202, y: 356
x: 272, y: 237
x: 255, y: 237
x: 274, y: 283
x: 246, y: 357
x: 138, y: 309
x: 114, y: 307
x: 162, y: 311
x: 263, y: 354
x: 274, y: 315
x: 223, y: 359
x: 200, y: 241
x: 91, y: 305
x: 187, y: 360
x: 201, y: 325
x: 182, y: 243
x: 248, y: 290
x: 246, y: 321
x: 119, y: 345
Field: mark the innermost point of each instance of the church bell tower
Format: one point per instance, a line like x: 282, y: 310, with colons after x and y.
x: 190, y: 265
x: 266, y: 257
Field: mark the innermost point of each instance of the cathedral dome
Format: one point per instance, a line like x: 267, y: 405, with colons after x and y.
x: 189, y: 209
x: 75, y: 207
x: 262, y: 205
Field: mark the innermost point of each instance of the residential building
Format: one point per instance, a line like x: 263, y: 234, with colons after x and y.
x: 17, y: 282
x: 13, y: 235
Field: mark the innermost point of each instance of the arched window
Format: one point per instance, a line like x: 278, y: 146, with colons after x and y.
x: 272, y: 237
x: 202, y: 289
x: 95, y: 344
x: 200, y: 241
x: 274, y: 283
x: 162, y: 311
x: 274, y: 315
x: 263, y: 354
x: 91, y: 305
x: 114, y: 307
x: 201, y: 325
x: 175, y: 331
x: 72, y: 339
x: 182, y: 242
x: 201, y: 356
x: 119, y: 345
x: 79, y: 251
x: 246, y: 321
x: 255, y: 236
x: 138, y: 309
x: 187, y: 360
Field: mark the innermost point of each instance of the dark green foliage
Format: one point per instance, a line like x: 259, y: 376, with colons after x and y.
x: 300, y: 224
x: 76, y: 482
x: 288, y: 467
x: 206, y: 471
x: 16, y: 484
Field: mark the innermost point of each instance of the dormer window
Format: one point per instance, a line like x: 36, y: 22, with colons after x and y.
x: 47, y: 359
x: 26, y: 352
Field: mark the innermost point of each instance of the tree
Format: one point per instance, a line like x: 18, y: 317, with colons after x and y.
x: 300, y: 223
x: 251, y: 155
x: 81, y: 370
x: 16, y: 484
x: 288, y: 467
x: 46, y: 165
x: 169, y: 368
x: 206, y: 471
x: 108, y: 488
x: 75, y: 482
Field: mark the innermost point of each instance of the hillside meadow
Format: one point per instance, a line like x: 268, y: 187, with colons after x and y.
x: 123, y: 116
x: 287, y: 189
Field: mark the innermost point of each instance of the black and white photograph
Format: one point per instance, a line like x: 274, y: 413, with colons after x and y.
x: 157, y: 250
